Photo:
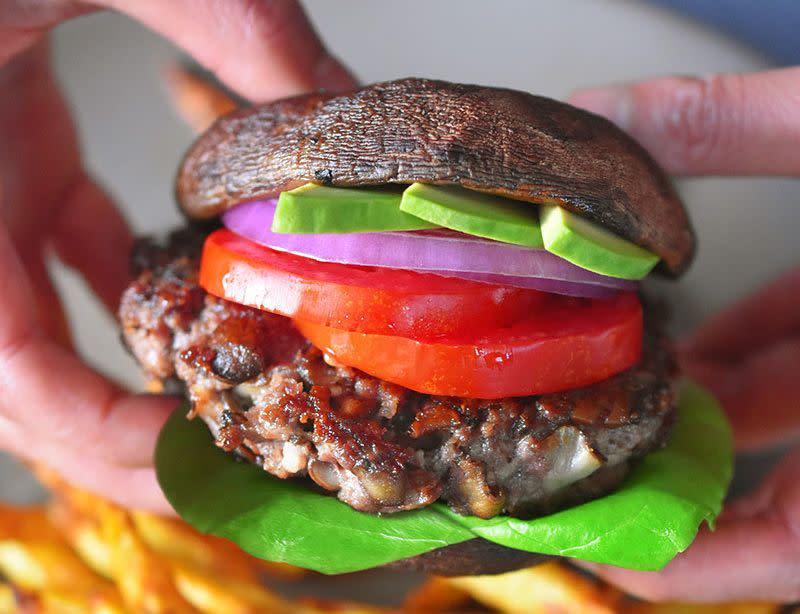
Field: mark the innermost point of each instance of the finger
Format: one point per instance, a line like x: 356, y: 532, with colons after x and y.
x: 49, y: 311
x: 760, y: 394
x: 25, y: 121
x: 37, y: 134
x: 753, y: 555
x: 63, y: 204
x: 767, y: 316
x: 44, y: 386
x: 39, y: 158
x: 24, y: 23
x: 749, y: 356
x: 262, y: 49
x: 135, y: 488
x: 90, y: 235
x: 734, y: 124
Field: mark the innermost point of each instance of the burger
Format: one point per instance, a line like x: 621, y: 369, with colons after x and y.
x: 412, y: 313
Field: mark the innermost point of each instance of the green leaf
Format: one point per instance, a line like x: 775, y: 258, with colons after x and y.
x: 643, y: 525
x: 284, y: 520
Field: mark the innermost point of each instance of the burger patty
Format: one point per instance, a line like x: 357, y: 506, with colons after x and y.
x: 269, y: 396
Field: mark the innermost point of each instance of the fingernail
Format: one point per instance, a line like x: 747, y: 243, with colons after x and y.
x: 331, y: 76
x: 611, y: 101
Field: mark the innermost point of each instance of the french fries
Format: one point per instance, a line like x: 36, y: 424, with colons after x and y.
x: 197, y: 100
x: 178, y: 541
x: 550, y: 587
x: 556, y: 588
x: 437, y: 595
x: 722, y: 608
x: 83, y: 555
x: 47, y: 574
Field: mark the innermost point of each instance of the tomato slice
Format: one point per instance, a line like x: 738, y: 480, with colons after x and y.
x: 567, y: 343
x: 356, y: 298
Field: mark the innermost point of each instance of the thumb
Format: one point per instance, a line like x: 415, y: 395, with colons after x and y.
x: 725, y: 124
x: 261, y: 49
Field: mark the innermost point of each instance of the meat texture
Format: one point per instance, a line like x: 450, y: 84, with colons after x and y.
x: 269, y: 396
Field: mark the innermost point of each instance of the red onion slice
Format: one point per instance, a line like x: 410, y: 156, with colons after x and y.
x: 553, y: 286
x: 440, y: 251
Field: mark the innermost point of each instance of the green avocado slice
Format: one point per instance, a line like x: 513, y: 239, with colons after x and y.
x: 652, y: 517
x: 591, y: 247
x: 312, y: 209
x: 475, y: 213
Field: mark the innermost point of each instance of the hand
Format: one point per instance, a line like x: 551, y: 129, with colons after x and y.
x: 749, y: 356
x: 53, y: 408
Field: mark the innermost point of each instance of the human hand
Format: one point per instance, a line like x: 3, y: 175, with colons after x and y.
x: 54, y: 409
x: 749, y: 355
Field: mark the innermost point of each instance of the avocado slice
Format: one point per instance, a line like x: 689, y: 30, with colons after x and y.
x: 312, y: 209
x: 475, y: 213
x: 592, y: 247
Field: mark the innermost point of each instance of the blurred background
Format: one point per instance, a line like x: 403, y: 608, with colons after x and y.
x: 112, y: 71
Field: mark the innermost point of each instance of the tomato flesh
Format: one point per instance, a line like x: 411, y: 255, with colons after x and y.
x: 432, y: 334
x: 567, y: 343
x: 357, y: 298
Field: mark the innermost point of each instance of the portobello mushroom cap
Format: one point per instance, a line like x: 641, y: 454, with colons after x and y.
x: 474, y: 557
x: 501, y: 141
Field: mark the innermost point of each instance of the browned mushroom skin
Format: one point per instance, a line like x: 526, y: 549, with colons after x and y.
x: 474, y: 557
x: 494, y: 140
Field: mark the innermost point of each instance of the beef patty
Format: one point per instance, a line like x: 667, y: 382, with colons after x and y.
x: 269, y: 396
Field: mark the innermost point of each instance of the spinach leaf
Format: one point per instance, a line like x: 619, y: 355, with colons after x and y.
x: 643, y: 525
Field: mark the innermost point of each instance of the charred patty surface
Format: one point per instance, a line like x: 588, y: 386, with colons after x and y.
x: 269, y: 396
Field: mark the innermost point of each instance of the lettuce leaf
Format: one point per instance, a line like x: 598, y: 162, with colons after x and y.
x: 643, y: 525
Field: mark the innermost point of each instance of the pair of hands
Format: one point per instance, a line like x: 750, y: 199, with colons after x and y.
x: 56, y: 410
x: 53, y: 408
